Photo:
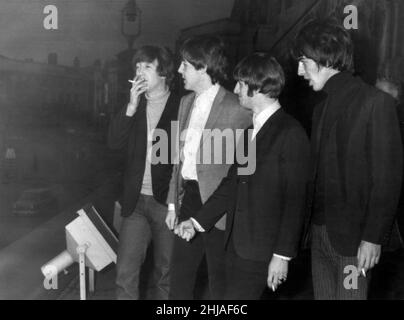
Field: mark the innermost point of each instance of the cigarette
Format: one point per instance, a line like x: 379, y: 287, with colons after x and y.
x: 273, y: 288
x: 363, y: 272
x: 133, y: 81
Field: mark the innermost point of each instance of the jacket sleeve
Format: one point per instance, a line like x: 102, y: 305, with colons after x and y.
x: 215, y: 207
x: 176, y: 156
x: 119, y: 130
x: 385, y: 152
x: 295, y: 170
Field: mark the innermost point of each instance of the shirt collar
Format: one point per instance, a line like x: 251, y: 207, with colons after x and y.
x: 210, y: 93
x: 259, y: 119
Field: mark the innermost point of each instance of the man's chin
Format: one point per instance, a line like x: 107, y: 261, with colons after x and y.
x: 313, y: 87
x: 316, y: 88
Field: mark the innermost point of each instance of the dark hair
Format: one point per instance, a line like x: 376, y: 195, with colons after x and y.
x: 206, y: 51
x: 327, y: 43
x: 163, y: 56
x: 261, y: 71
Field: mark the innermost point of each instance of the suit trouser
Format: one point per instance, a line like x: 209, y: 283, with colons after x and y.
x: 245, y: 279
x: 334, y: 275
x: 187, y: 256
x: 147, y: 223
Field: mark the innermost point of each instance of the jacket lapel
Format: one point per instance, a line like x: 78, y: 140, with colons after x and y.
x: 186, y: 114
x: 349, y: 86
x: 167, y: 114
x: 270, y: 127
x: 183, y: 119
x: 140, y: 129
x: 214, y: 114
x: 265, y: 136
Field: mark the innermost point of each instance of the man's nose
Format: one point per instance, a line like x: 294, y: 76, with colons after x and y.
x: 300, y: 69
x: 236, y: 88
x: 140, y: 70
x: 180, y: 69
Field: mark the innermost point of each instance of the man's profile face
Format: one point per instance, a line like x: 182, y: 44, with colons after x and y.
x: 190, y: 75
x: 241, y: 90
x: 309, y: 70
x: 148, y: 71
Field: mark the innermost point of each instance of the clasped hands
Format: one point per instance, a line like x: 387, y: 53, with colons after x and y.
x: 185, y: 229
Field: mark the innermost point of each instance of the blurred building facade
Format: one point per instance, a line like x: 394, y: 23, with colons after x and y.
x: 33, y: 93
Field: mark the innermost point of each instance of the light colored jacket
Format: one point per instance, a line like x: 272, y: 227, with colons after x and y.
x: 226, y: 113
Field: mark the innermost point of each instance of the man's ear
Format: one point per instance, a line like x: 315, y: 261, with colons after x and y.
x: 255, y: 92
x: 321, y: 67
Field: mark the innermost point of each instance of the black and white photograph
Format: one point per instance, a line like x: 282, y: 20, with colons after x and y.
x: 220, y: 151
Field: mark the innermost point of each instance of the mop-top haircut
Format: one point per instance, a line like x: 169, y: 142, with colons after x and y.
x: 209, y: 52
x: 262, y: 73
x: 327, y: 43
x: 162, y: 55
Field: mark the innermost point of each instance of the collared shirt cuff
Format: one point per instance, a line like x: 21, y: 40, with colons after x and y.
x: 171, y: 207
x: 282, y: 257
x: 197, y: 226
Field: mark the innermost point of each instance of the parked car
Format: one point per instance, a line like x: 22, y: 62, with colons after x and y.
x: 35, y: 201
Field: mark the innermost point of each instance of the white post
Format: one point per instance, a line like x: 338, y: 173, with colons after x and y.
x: 91, y: 280
x: 81, y: 250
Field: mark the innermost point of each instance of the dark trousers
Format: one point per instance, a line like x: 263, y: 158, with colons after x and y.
x: 147, y: 223
x: 334, y: 277
x: 245, y: 279
x: 187, y: 256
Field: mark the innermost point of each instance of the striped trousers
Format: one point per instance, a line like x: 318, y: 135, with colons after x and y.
x: 334, y: 276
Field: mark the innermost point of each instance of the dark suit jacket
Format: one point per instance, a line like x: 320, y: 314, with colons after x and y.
x: 131, y: 133
x: 266, y: 208
x: 362, y: 163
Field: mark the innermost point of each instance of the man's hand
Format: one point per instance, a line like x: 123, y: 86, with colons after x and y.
x: 368, y: 255
x: 185, y: 230
x: 171, y: 219
x: 138, y: 87
x: 277, y: 272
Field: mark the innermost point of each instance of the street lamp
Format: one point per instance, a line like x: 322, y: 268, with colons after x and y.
x: 131, y: 22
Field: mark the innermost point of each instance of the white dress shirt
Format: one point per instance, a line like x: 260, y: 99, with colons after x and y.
x: 199, y: 116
